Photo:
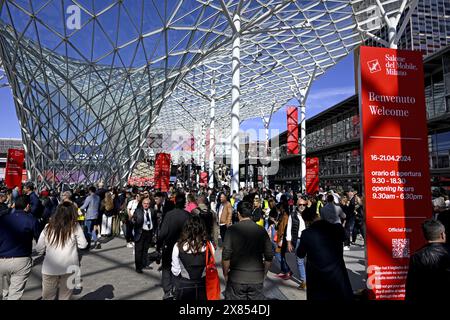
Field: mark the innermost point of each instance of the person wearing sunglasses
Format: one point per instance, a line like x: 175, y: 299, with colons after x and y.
x: 294, y: 230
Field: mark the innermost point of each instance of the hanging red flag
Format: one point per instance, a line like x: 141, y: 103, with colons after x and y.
x: 292, y: 130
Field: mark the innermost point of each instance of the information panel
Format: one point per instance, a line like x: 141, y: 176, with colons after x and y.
x: 395, y: 163
x: 312, y: 175
x: 14, y: 165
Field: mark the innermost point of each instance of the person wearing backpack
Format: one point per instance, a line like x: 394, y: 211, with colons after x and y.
x: 257, y: 214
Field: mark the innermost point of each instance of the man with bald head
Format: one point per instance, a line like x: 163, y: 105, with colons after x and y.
x: 143, y: 232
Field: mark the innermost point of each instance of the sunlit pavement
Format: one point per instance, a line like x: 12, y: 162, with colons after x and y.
x: 108, y: 273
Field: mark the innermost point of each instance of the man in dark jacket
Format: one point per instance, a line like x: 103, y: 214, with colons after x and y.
x: 322, y: 244
x: 143, y: 231
x: 4, y: 209
x: 429, y: 268
x: 444, y: 218
x: 36, y: 206
x: 246, y: 257
x: 170, y: 231
x: 17, y: 230
x: 162, y: 207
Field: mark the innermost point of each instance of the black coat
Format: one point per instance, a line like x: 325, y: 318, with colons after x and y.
x: 138, y: 221
x: 327, y: 277
x: 3, y: 209
x: 429, y: 274
x: 444, y: 218
x: 170, y: 232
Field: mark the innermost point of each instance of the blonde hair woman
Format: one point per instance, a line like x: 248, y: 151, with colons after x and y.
x: 107, y: 210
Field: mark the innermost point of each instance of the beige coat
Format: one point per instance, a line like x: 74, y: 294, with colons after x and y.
x: 227, y: 213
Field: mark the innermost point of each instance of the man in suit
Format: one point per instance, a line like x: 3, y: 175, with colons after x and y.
x: 143, y: 229
x: 225, y: 214
x: 170, y: 232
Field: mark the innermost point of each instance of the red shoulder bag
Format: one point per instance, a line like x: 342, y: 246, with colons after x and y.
x: 212, y: 275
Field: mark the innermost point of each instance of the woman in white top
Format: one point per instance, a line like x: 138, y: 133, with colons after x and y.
x: 189, y: 261
x: 131, y: 207
x: 59, y: 241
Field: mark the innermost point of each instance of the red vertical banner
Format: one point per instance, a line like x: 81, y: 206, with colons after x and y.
x: 14, y: 165
x: 312, y: 175
x: 203, y: 178
x: 162, y: 171
x: 395, y: 165
x: 292, y: 130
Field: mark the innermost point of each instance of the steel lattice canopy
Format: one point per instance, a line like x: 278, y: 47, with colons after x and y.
x: 88, y: 95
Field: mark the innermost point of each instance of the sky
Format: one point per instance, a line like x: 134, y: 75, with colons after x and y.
x: 334, y: 86
x: 328, y: 89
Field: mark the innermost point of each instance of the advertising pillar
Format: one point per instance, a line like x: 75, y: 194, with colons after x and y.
x: 394, y: 141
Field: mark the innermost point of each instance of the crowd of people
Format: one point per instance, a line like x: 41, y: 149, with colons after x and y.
x: 250, y: 227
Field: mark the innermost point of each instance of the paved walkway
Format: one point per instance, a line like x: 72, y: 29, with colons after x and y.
x: 108, y: 273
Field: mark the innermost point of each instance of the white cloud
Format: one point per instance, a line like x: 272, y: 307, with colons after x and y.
x: 331, y: 93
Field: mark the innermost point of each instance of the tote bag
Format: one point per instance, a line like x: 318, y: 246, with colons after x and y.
x: 212, y: 275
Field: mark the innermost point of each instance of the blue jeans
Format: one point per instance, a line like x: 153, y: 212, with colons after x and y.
x: 276, y: 254
x: 89, y: 224
x: 300, y: 263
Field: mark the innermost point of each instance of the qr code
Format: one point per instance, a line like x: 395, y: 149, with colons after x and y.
x: 400, y: 248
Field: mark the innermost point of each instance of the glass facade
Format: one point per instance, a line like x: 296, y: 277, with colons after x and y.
x: 437, y: 91
x: 428, y: 29
x: 334, y: 131
x: 439, y: 149
x: 340, y: 163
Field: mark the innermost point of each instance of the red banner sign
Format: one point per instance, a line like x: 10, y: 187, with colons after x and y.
x: 395, y: 163
x: 14, y: 165
x: 203, y: 178
x: 312, y: 175
x: 162, y: 171
x: 292, y: 130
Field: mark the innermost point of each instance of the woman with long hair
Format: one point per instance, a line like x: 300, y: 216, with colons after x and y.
x: 107, y: 209
x: 189, y: 261
x: 281, y: 239
x: 59, y: 241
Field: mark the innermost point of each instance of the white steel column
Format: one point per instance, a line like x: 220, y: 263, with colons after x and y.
x: 303, y: 142
x: 266, y: 153
x: 203, y: 146
x: 266, y: 122
x: 235, y: 93
x: 212, y: 139
x: 302, y: 95
x: 392, y: 23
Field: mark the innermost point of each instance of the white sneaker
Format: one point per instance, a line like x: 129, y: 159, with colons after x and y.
x: 346, y: 248
x: 129, y: 245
